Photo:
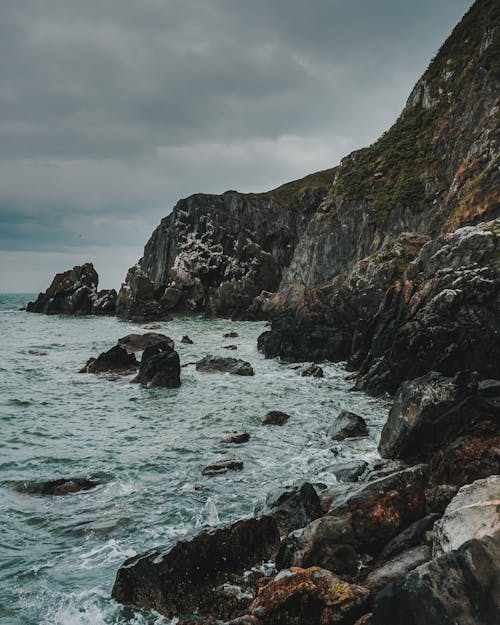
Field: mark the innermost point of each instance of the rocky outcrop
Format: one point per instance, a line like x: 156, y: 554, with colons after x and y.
x: 137, y: 299
x: 115, y: 360
x: 74, y: 292
x: 218, y: 364
x: 181, y: 579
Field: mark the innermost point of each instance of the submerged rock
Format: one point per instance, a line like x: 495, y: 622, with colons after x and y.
x: 138, y: 342
x: 292, y: 506
x: 186, y: 340
x: 74, y: 292
x: 236, y: 438
x: 275, y: 417
x: 182, y: 579
x: 314, y: 371
x: 223, y: 466
x: 115, y: 360
x: 62, y: 486
x: 160, y: 366
x: 347, y: 425
x: 218, y: 364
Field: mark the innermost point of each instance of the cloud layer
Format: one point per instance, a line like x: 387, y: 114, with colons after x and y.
x: 110, y: 110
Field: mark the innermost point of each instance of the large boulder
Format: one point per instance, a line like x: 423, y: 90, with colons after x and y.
x: 137, y: 299
x: 160, y: 366
x: 379, y: 510
x: 410, y: 537
x: 219, y: 364
x: 327, y: 542
x: 60, y: 487
x: 431, y: 411
x: 115, y: 360
x: 138, y: 342
x: 458, y: 588
x: 347, y: 425
x: 292, y: 506
x: 74, y: 292
x: 474, y: 512
x: 398, y: 566
x: 314, y: 596
x: 182, y: 579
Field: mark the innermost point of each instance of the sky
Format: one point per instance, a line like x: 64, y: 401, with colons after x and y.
x: 112, y: 110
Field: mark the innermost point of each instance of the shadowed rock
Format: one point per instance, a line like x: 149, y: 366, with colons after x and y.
x: 236, y: 438
x: 223, y: 466
x: 160, y: 366
x: 347, y: 425
x: 314, y: 371
x: 115, y: 360
x: 275, y: 417
x: 398, y: 566
x: 60, y: 487
x: 218, y: 364
x: 138, y: 342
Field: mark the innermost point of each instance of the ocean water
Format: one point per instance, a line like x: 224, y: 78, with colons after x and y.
x: 147, y: 447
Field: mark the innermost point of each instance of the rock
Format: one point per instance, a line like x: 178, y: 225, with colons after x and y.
x: 231, y: 335
x: 185, y: 339
x: 382, y: 468
x: 379, y: 510
x: 313, y: 596
x: 461, y: 588
x: 348, y: 471
x: 473, y: 513
x: 137, y: 299
x: 233, y: 347
x: 236, y: 438
x: 218, y: 364
x: 115, y: 360
x: 63, y: 486
x: 74, y: 292
x: 292, y: 506
x: 170, y: 298
x: 182, y: 579
x: 314, y: 371
x: 219, y: 467
x: 489, y: 388
x: 160, y: 366
x: 430, y: 412
x: 347, y: 425
x: 275, y: 417
x: 327, y: 542
x: 138, y: 342
x: 398, y: 566
x: 410, y: 537
x: 438, y: 497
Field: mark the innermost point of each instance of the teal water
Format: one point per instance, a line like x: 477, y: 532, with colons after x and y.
x: 147, y: 447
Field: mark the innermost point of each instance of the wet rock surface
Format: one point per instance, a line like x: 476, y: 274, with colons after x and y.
x: 218, y: 364
x: 186, y: 340
x: 115, y: 360
x: 398, y: 566
x: 160, y: 366
x: 60, y: 487
x: 138, y: 342
x: 314, y: 371
x: 348, y: 471
x: 236, y: 438
x: 219, y: 467
x: 347, y: 425
x: 74, y: 292
x: 275, y: 417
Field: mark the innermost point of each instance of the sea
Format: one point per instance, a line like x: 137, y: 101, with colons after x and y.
x: 146, y: 448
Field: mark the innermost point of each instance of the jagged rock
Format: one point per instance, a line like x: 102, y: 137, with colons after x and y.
x: 314, y: 371
x: 275, y: 417
x: 430, y: 412
x: 292, y: 506
x: 74, y: 292
x: 115, y: 360
x: 410, y: 537
x: 185, y: 339
x: 473, y: 513
x: 461, y: 587
x: 62, y: 486
x: 312, y: 596
x: 348, y: 471
x: 382, y: 468
x: 218, y: 364
x: 182, y: 579
x: 236, y: 438
x: 379, y: 510
x: 160, y: 366
x: 347, y: 425
x: 327, y: 542
x: 137, y: 299
x: 138, y: 342
x: 398, y: 566
x: 219, y: 467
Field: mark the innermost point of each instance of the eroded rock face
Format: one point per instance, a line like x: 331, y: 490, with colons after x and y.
x: 137, y: 299
x: 182, y: 579
x: 474, y: 512
x: 160, y: 366
x: 74, y: 292
x: 461, y: 587
x: 218, y: 364
x: 314, y: 596
x: 115, y: 360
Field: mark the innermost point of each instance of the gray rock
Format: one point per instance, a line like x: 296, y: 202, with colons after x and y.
x: 410, y: 537
x: 382, y: 468
x: 236, y: 438
x: 398, y: 566
x: 219, y: 467
x: 138, y: 342
x: 275, y: 417
x: 218, y: 364
x: 348, y: 471
x: 347, y: 425
x: 115, y: 360
x: 474, y: 512
x: 314, y: 371
x: 160, y: 366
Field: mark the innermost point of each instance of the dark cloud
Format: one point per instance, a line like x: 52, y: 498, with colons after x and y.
x: 112, y: 109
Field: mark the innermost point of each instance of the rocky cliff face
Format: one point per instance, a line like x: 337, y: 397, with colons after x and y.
x: 216, y: 253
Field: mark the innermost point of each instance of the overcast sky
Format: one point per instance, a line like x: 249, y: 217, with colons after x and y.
x: 111, y: 110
